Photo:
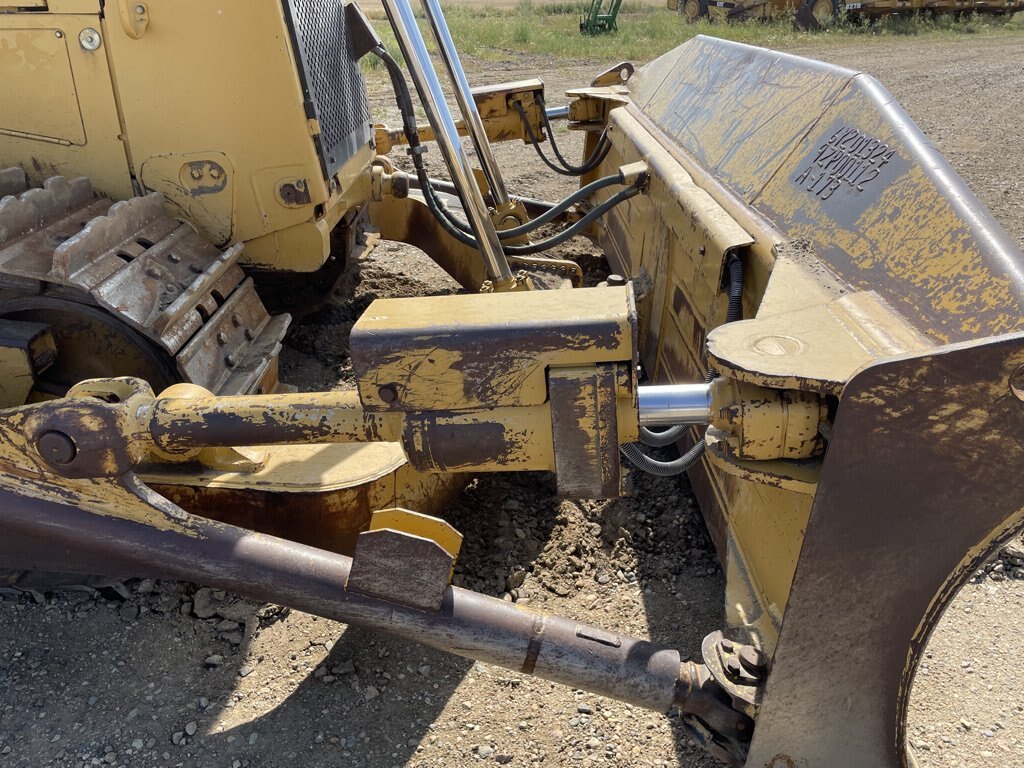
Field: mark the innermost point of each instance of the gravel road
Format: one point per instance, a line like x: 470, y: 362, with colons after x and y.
x: 171, y: 675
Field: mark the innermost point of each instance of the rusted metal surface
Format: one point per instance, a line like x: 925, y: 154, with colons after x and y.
x: 154, y: 274
x: 740, y: 669
x: 923, y: 468
x: 26, y: 349
x: 320, y: 495
x: 584, y: 430
x: 180, y: 424
x: 399, y: 567
x: 495, y: 353
x: 52, y: 536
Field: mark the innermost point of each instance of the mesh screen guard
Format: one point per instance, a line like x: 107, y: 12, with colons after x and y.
x: 335, y: 91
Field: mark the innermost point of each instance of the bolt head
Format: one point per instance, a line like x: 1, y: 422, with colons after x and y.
x: 56, y: 448
x: 140, y: 9
x: 89, y: 39
x: 752, y: 659
x: 388, y: 393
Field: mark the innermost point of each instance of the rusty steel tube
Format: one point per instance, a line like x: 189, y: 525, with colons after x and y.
x: 180, y: 424
x: 270, y: 569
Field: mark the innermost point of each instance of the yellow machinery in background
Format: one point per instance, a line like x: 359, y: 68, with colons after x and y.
x: 805, y: 299
x: 821, y: 14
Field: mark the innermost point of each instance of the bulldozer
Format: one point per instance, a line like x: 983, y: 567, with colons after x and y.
x: 804, y: 299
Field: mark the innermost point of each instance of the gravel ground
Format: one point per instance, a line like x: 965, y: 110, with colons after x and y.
x: 167, y: 674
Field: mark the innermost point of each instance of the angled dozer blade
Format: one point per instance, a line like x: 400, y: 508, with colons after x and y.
x: 875, y: 281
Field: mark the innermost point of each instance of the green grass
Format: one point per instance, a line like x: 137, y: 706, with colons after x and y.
x: 645, y: 32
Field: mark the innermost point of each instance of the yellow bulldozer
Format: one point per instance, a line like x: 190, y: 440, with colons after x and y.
x: 804, y: 298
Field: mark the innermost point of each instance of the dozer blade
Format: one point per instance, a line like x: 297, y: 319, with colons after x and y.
x: 874, y: 279
x: 801, y: 151
x: 921, y: 480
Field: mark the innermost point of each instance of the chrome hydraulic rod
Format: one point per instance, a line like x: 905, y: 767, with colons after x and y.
x: 666, y: 405
x: 414, y: 49
x: 464, y: 96
x: 557, y: 113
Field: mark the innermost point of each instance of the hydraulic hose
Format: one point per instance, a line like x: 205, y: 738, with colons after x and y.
x: 562, y: 235
x: 595, y: 159
x: 645, y: 463
x: 450, y: 223
x: 402, y: 95
x: 404, y: 99
x: 552, y: 213
x: 533, y: 206
x: 580, y: 194
x: 668, y: 436
x: 541, y: 245
x: 554, y: 144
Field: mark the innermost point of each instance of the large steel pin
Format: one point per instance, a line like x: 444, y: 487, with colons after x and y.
x: 665, y: 405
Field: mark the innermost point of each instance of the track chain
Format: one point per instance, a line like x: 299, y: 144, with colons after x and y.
x: 152, y: 272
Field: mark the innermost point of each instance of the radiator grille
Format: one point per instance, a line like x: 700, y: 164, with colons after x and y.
x: 334, y: 85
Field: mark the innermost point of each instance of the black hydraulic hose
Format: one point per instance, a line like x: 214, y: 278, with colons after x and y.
x: 643, y: 462
x: 668, y: 436
x: 587, y: 166
x: 556, y: 210
x: 596, y: 158
x: 561, y: 236
x: 564, y: 234
x: 662, y: 438
x: 735, y: 311
x: 460, y: 230
x: 533, y: 206
x: 403, y: 97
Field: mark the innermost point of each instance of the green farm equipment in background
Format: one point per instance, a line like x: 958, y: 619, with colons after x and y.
x: 595, y: 22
